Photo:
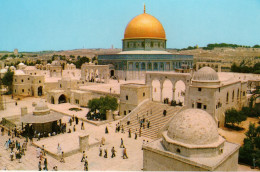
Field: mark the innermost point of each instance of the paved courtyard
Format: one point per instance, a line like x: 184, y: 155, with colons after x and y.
x: 134, y: 147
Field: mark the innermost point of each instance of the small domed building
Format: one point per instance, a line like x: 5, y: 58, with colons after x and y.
x: 215, y: 94
x: 191, y: 143
x: 43, y: 120
x: 144, y: 49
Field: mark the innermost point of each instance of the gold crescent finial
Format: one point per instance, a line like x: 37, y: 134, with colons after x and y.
x: 144, y: 7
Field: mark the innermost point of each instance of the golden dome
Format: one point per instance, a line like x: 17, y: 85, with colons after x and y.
x: 144, y: 26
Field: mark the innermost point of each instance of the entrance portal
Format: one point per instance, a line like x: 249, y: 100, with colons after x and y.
x: 40, y: 91
x: 62, y: 99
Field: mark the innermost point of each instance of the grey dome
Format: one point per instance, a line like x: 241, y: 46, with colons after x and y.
x: 193, y: 126
x: 206, y: 74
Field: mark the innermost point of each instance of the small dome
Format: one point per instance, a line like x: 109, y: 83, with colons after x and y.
x: 21, y: 64
x: 41, y: 105
x: 205, y: 74
x: 19, y: 72
x: 193, y: 126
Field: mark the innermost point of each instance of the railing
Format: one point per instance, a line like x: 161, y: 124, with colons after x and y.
x: 135, y: 110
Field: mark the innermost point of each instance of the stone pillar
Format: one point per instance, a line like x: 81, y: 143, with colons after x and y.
x: 173, y: 93
x: 109, y: 115
x: 24, y: 110
x: 161, y: 90
x: 186, y: 94
x: 83, y: 142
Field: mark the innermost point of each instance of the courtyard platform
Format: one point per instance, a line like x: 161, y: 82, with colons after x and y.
x: 69, y: 143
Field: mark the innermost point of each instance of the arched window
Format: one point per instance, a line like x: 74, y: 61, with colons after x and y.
x: 238, y: 94
x: 143, y: 66
x: 155, y: 66
x: 149, y: 66
x: 233, y: 95
x: 137, y: 66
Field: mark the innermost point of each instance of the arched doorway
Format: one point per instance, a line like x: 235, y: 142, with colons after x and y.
x: 40, y: 91
x: 112, y: 73
x: 156, y: 90
x: 179, y: 91
x: 167, y: 91
x: 62, y: 99
x: 52, y: 100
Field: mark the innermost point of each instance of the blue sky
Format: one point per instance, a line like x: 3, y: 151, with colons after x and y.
x: 35, y: 25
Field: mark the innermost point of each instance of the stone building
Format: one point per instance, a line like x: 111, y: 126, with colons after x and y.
x: 55, y: 69
x: 215, y: 95
x: 28, y: 85
x: 191, y: 143
x: 144, y: 49
x: 131, y: 95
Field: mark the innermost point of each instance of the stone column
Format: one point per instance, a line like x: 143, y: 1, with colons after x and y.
x: 109, y: 115
x: 161, y: 90
x: 173, y: 93
x: 83, y: 142
x: 24, y: 110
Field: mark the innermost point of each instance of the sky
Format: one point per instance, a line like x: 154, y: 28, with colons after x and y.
x: 37, y: 25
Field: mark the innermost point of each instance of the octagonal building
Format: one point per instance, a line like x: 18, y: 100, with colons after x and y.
x: 144, y: 49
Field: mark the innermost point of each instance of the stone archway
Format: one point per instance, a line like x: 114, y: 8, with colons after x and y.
x: 52, y: 100
x: 112, y: 73
x: 62, y: 99
x: 40, y: 91
x: 156, y: 90
x: 180, y: 89
x: 167, y: 90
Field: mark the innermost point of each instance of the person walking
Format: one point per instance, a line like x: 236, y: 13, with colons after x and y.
x: 12, y: 155
x: 100, y: 150
x: 164, y: 112
x: 86, y: 164
x: 39, y: 166
x: 6, y: 145
x: 129, y: 133
x: 82, y: 126
x: 62, y: 157
x: 106, y: 130
x: 77, y: 120
x: 45, y: 164
x: 122, y: 143
x: 83, y: 156
x: 135, y: 135
x: 140, y: 132
x: 113, y: 151
x: 59, y: 149
x: 105, y: 150
x: 125, y: 154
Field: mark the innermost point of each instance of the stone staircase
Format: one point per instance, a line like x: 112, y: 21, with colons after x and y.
x: 157, y: 120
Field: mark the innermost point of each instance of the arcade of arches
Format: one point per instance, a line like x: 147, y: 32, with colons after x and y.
x: 94, y: 73
x: 173, y: 86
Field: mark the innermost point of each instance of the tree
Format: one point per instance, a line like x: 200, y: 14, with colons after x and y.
x: 251, y: 148
x: 8, y: 79
x: 234, y: 117
x: 38, y: 61
x: 107, y: 103
x: 102, y: 104
x: 94, y: 105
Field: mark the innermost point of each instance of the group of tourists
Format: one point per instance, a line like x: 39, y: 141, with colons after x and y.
x: 41, y: 154
x: 76, y: 120
x: 20, y: 149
